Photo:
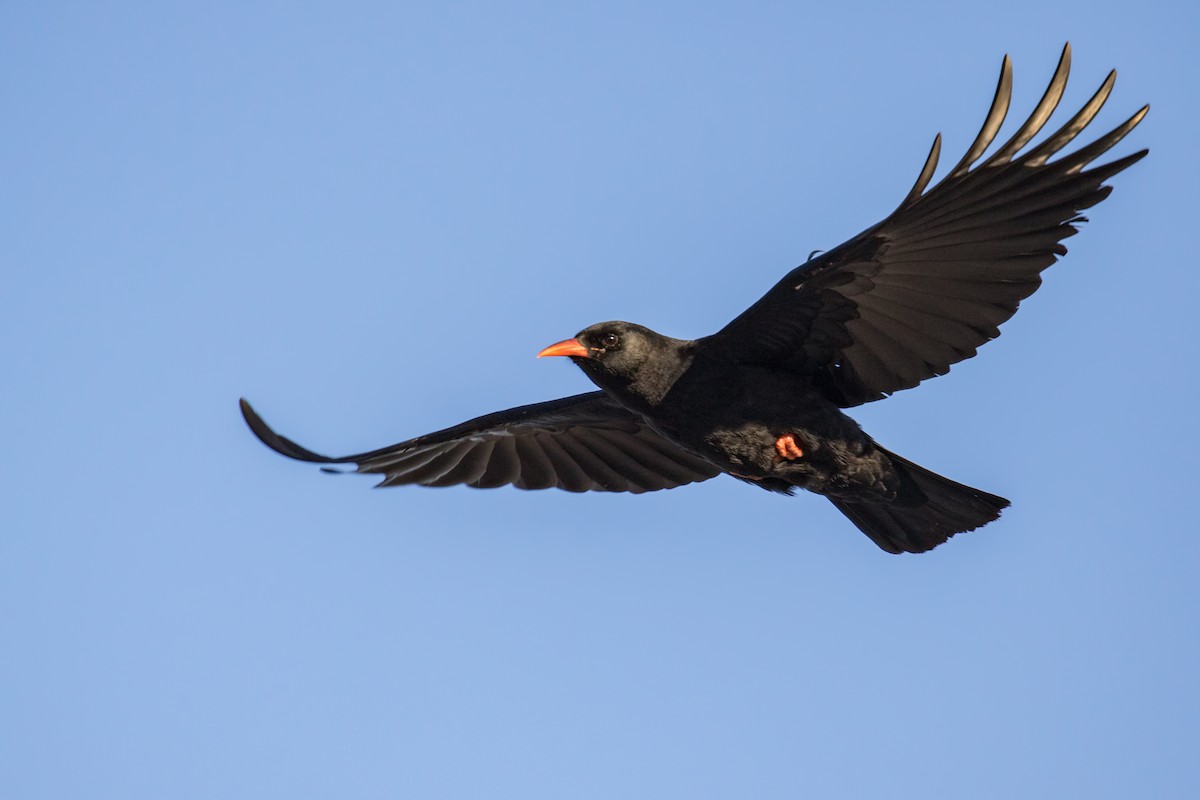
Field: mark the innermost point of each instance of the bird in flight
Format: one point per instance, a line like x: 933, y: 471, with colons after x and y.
x: 762, y: 398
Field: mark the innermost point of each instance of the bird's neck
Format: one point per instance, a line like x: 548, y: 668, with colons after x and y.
x: 645, y: 389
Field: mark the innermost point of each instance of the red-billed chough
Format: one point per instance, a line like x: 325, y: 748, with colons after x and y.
x: 761, y: 399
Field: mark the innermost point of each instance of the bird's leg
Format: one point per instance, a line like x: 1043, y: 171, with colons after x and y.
x: 787, y: 449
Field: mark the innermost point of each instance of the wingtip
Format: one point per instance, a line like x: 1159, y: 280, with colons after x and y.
x: 1006, y: 75
x: 253, y: 420
x: 991, y: 123
x: 256, y: 425
x: 1064, y: 61
x: 280, y: 444
x: 931, y: 162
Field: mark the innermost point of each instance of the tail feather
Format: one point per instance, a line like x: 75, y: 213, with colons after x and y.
x: 942, y: 509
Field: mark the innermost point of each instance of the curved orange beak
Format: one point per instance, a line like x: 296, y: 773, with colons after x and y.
x: 567, y: 347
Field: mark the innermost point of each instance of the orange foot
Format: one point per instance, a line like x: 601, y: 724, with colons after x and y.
x: 787, y: 448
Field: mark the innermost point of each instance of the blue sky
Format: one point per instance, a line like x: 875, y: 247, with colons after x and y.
x: 368, y: 218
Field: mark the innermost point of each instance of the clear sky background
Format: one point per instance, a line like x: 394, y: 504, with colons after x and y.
x: 368, y: 218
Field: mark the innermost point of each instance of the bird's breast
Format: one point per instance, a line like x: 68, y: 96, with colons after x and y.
x: 735, y: 416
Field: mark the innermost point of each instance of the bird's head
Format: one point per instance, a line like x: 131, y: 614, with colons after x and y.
x: 626, y: 359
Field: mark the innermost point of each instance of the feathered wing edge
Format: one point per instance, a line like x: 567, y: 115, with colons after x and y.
x: 1039, y: 155
x: 922, y: 289
x: 931, y: 283
x: 579, y: 444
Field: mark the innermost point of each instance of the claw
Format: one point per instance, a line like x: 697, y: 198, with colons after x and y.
x: 787, y: 448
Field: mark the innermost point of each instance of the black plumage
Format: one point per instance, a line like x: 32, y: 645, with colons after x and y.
x: 585, y: 443
x: 761, y: 399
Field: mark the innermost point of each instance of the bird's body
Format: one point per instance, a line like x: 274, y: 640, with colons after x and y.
x: 735, y: 423
x: 768, y: 425
x: 762, y: 399
x: 736, y: 426
x: 732, y: 414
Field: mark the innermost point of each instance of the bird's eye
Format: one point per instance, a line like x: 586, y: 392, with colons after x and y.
x: 609, y: 341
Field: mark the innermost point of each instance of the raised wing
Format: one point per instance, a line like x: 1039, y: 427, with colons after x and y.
x: 581, y: 443
x: 924, y: 288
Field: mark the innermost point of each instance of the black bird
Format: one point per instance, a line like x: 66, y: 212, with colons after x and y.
x: 761, y: 399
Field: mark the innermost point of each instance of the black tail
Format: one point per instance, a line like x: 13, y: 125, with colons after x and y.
x: 935, y: 511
